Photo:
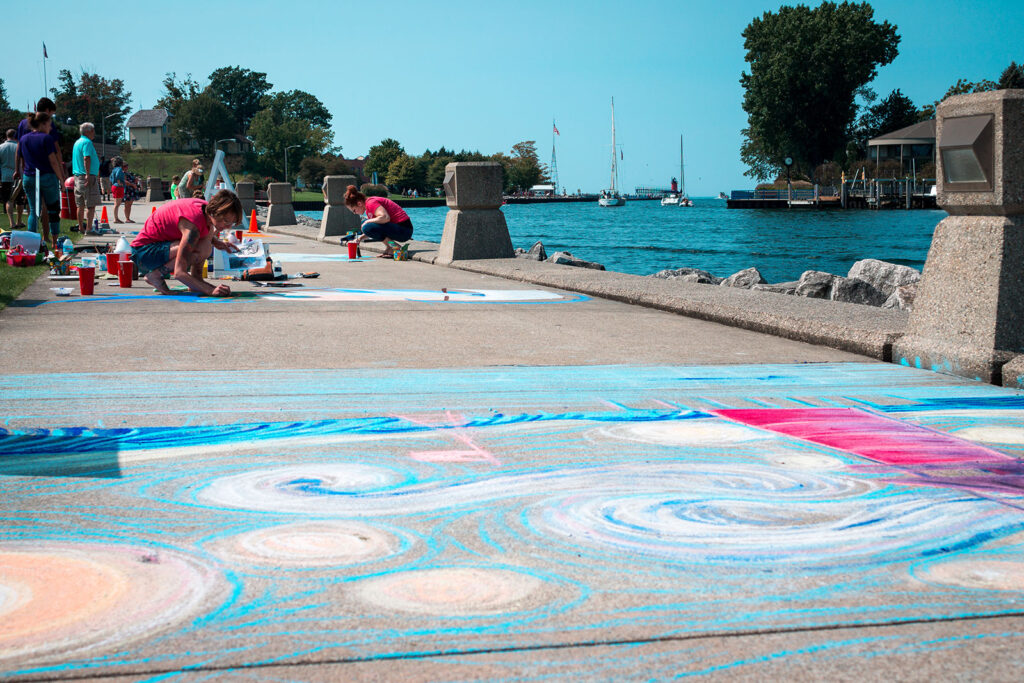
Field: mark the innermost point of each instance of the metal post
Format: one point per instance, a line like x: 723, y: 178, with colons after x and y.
x: 286, y: 160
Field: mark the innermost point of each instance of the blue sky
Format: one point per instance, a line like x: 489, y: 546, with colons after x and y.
x: 485, y: 75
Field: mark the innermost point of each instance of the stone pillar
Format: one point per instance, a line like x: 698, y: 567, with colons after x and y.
x: 337, y: 219
x: 247, y: 195
x: 281, y: 211
x: 154, y: 190
x: 968, y: 318
x: 475, y: 226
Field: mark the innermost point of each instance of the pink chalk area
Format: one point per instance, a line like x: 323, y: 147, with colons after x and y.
x: 868, y: 435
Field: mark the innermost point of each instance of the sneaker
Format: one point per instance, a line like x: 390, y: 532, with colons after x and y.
x: 74, y: 228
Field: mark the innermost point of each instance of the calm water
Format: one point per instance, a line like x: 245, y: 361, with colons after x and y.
x: 644, y: 237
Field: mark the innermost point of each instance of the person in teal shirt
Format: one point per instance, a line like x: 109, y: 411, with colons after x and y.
x: 85, y: 164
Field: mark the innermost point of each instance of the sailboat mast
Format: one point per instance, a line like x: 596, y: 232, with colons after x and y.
x: 682, y: 178
x: 615, y: 169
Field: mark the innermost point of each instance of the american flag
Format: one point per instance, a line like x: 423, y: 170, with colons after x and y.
x: 555, y: 127
x: 45, y: 56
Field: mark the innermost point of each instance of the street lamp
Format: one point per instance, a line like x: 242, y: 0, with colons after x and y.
x: 789, y: 182
x: 105, y: 130
x: 286, y: 160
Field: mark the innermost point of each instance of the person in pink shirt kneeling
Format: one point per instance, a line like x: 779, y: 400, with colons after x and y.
x: 180, y: 235
x: 385, y: 220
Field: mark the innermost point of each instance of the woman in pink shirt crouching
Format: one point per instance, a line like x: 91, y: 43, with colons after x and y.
x: 180, y: 235
x: 385, y: 220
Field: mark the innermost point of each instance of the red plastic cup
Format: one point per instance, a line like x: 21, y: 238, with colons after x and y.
x: 86, y: 278
x: 353, y: 249
x: 124, y: 275
x: 238, y: 235
x: 112, y: 260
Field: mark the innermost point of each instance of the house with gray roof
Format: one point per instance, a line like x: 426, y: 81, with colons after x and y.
x: 913, y: 144
x: 149, y: 130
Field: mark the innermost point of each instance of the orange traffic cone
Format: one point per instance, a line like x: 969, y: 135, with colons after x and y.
x: 253, y: 227
x: 103, y: 216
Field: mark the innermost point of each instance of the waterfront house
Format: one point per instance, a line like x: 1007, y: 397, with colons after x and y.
x: 148, y: 130
x: 913, y: 146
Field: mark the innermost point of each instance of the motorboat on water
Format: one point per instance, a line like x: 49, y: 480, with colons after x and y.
x: 722, y: 196
x: 611, y: 197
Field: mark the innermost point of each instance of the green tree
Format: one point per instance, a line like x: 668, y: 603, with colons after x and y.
x: 177, y: 92
x: 524, y: 167
x: 272, y: 133
x: 5, y: 104
x: 298, y: 104
x: 314, y: 168
x: 202, y: 119
x: 240, y: 90
x: 806, y: 68
x: 405, y: 173
x: 380, y: 157
x: 1012, y: 77
x: 894, y: 112
x: 435, y: 171
x: 961, y: 87
x: 91, y: 98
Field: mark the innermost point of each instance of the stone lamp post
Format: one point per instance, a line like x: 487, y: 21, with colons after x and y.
x: 968, y: 318
x: 475, y: 226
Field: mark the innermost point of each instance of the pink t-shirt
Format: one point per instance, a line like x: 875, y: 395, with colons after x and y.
x: 395, y: 212
x: 162, y: 224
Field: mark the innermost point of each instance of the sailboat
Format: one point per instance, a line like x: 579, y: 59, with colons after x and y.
x: 678, y: 198
x: 611, y: 197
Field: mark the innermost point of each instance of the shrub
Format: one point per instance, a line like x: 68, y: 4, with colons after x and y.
x: 371, y: 190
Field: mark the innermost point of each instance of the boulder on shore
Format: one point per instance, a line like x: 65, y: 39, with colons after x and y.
x: 566, y: 259
x: 745, y: 279
x: 902, y: 298
x: 535, y: 253
x: 815, y: 284
x: 778, y: 287
x: 883, y: 276
x: 856, y: 291
x: 688, y: 275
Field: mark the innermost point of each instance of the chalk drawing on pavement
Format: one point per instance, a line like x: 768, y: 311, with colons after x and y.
x: 370, y: 514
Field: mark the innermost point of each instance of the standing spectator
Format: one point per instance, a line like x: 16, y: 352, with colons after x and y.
x: 105, y: 179
x: 174, y: 187
x: 191, y: 181
x: 132, y: 191
x: 117, y: 183
x: 38, y: 152
x: 85, y: 165
x: 44, y: 106
x: 8, y: 159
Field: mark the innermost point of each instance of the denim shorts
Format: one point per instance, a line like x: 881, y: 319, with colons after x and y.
x: 152, y: 256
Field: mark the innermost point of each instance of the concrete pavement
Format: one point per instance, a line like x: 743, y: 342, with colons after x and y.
x: 358, y: 479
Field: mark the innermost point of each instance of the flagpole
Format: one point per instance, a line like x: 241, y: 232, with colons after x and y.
x: 46, y: 85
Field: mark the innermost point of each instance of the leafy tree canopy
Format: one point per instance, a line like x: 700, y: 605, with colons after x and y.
x: 314, y: 168
x: 894, y: 112
x: 806, y: 68
x: 1012, y: 77
x: 381, y: 156
x: 406, y: 173
x: 272, y: 134
x: 524, y: 169
x: 240, y: 90
x: 91, y: 98
x: 203, y: 119
x: 297, y: 104
x: 176, y: 92
x: 5, y: 105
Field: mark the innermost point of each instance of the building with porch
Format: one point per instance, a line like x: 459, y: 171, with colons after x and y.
x: 913, y: 146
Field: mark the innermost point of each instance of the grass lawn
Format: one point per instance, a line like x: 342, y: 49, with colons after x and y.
x: 163, y: 164
x: 13, y: 281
